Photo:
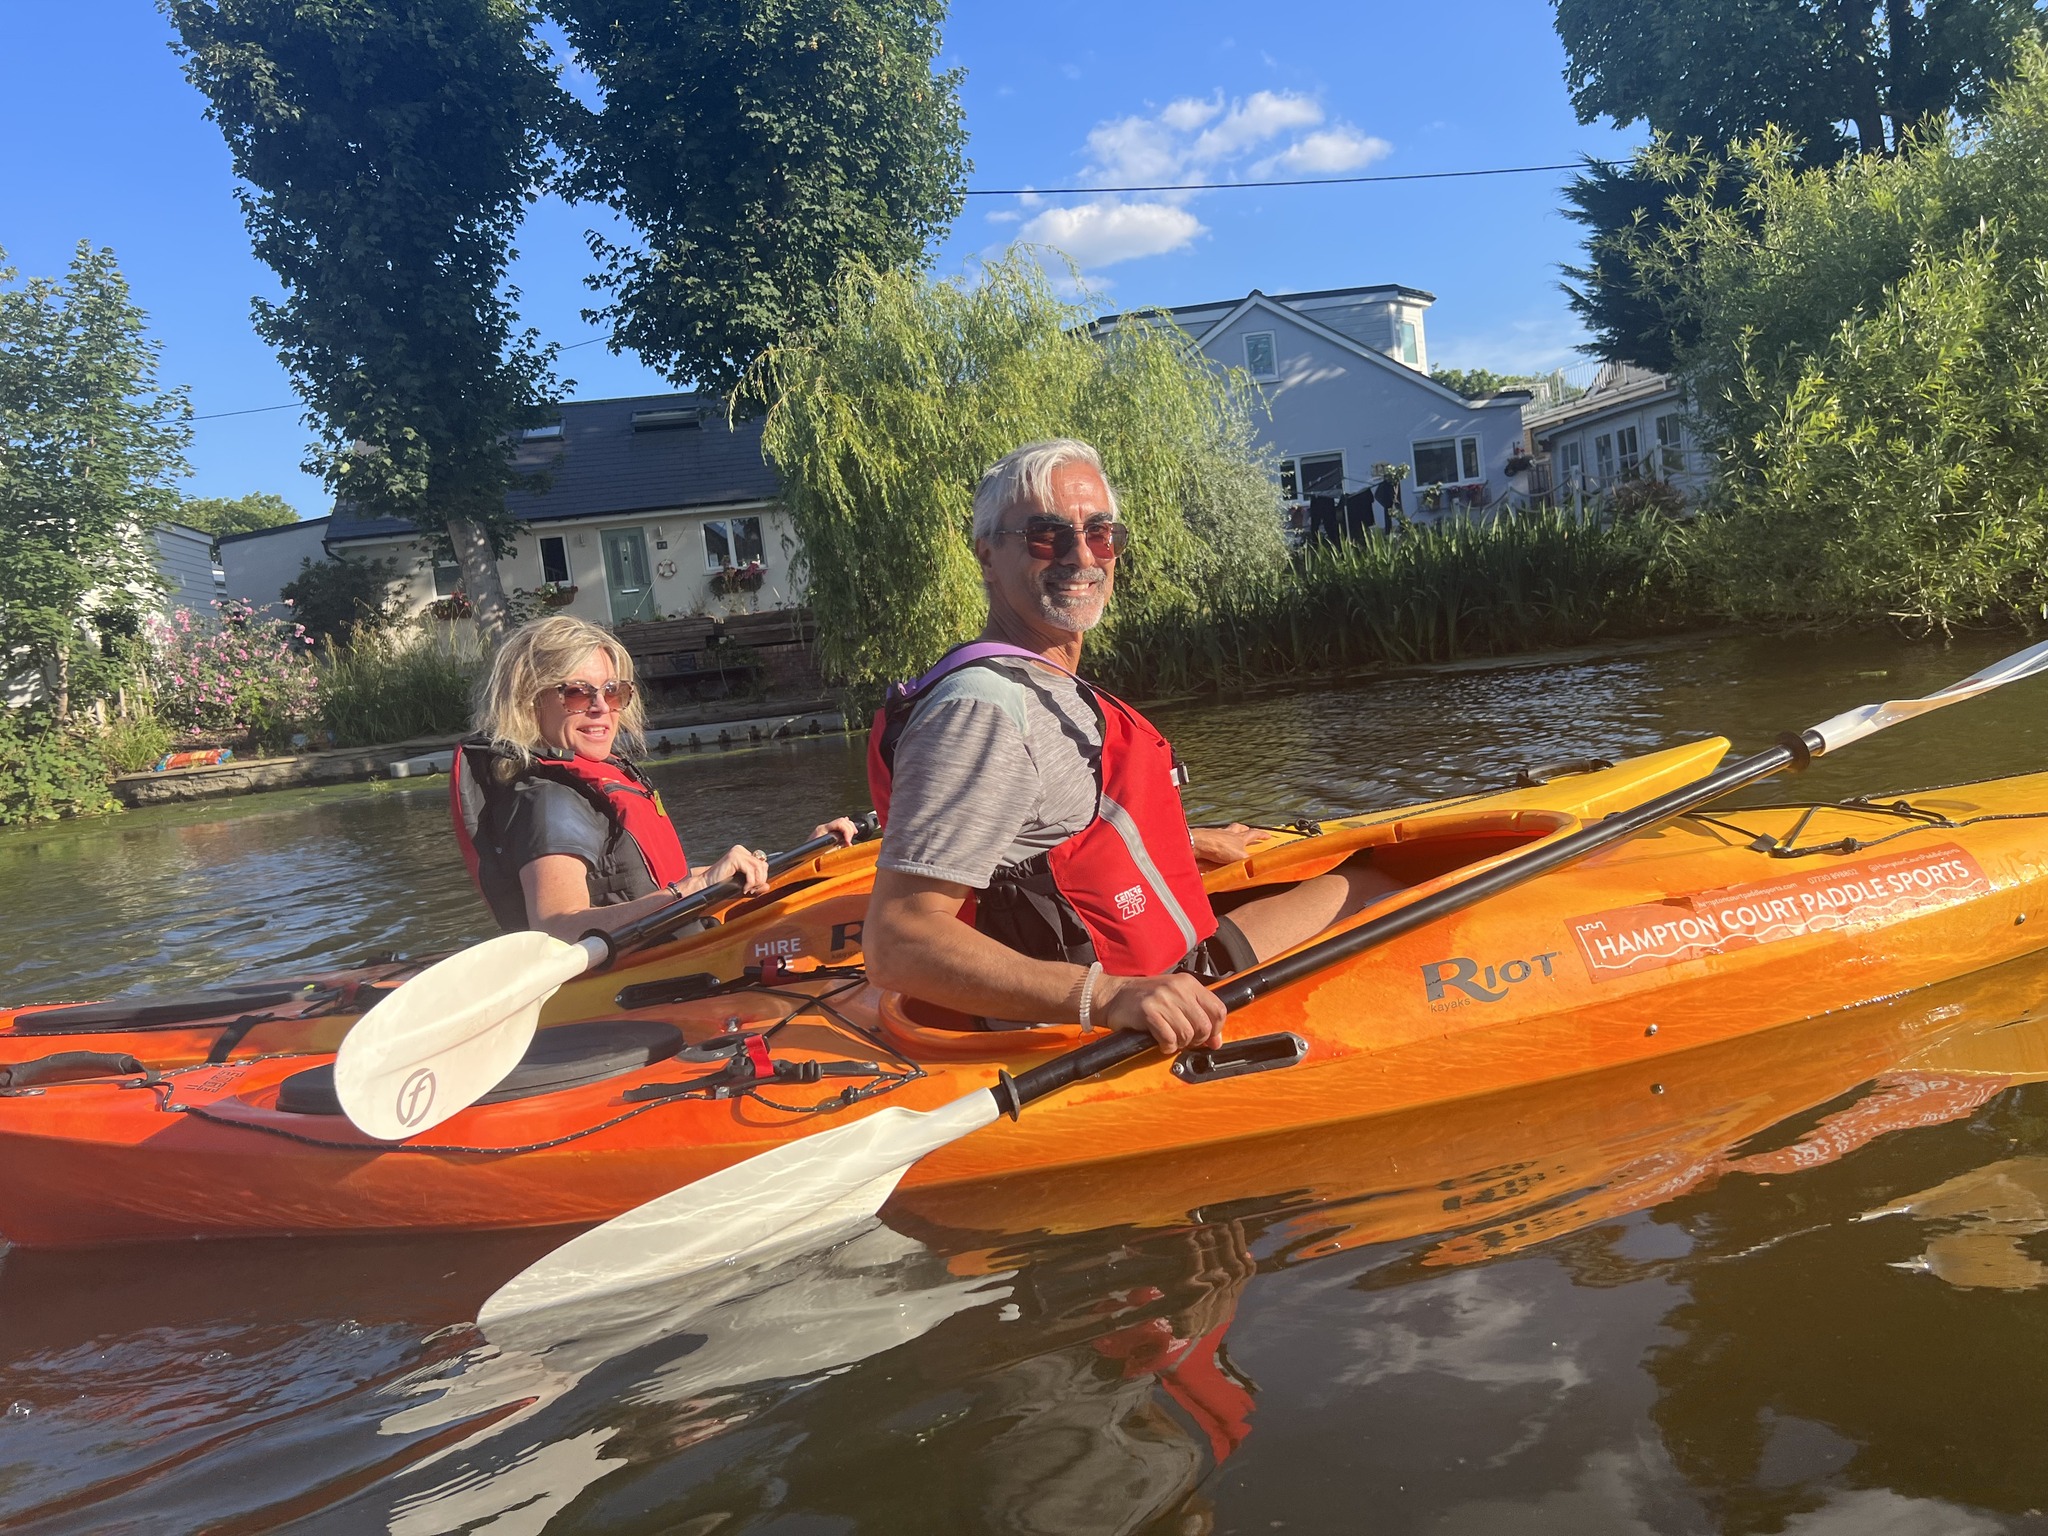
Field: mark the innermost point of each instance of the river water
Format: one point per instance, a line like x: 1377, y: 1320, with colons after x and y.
x: 1603, y: 1307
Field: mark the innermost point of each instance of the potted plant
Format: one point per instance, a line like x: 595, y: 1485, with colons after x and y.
x: 728, y: 579
x: 454, y: 606
x: 555, y: 594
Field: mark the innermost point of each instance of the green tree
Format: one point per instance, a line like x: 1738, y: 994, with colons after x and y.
x: 1720, y: 70
x: 1706, y: 73
x: 1872, y: 364
x: 90, y: 451
x: 218, y: 515
x: 1626, y: 295
x: 883, y: 422
x: 389, y: 148
x: 758, y: 148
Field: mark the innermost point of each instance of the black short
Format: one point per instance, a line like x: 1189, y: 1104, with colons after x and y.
x: 1224, y: 953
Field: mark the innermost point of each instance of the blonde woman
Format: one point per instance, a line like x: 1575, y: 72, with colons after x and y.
x: 553, y: 821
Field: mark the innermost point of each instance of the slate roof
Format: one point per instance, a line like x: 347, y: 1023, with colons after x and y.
x: 601, y: 467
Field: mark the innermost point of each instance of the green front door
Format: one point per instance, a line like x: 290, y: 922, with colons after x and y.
x: 625, y: 573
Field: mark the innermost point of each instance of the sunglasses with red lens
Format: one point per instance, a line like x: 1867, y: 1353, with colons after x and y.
x: 1054, y: 538
x: 578, y: 697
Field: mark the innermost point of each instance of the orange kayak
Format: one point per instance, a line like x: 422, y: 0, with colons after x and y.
x: 1695, y: 935
x: 813, y: 909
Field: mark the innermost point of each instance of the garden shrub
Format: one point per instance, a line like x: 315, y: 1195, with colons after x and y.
x: 253, y: 674
x: 136, y: 744
x: 335, y: 599
x: 394, y: 685
x: 48, y: 770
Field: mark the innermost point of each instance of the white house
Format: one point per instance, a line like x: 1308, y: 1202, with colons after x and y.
x: 1345, y: 372
x: 655, y: 506
x: 256, y: 566
x: 1629, y: 426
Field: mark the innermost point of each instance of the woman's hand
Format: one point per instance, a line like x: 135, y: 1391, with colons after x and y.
x: 1176, y: 1010
x: 1225, y: 845
x: 748, y: 864
x: 841, y: 828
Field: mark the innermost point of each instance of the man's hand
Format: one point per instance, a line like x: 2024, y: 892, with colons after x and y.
x: 738, y: 862
x: 1176, y: 1010
x: 1225, y: 845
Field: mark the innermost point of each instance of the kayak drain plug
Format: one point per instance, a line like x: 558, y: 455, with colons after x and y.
x: 1651, y: 1030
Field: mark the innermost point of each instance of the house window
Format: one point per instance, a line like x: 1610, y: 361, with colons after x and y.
x: 1411, y: 347
x: 447, y: 577
x: 731, y: 541
x: 1313, y: 474
x: 554, y: 559
x: 548, y: 433
x: 1603, y: 458
x: 1570, y: 467
x: 1629, y: 457
x: 1260, y: 360
x: 1670, y: 445
x: 1446, y: 460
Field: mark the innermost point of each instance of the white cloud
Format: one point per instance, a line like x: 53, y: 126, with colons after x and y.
x: 1190, y: 112
x: 1134, y: 149
x: 1252, y: 122
x: 1191, y: 139
x: 1326, y: 153
x: 1109, y: 230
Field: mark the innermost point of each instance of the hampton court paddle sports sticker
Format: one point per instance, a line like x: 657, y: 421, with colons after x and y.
x: 1630, y: 940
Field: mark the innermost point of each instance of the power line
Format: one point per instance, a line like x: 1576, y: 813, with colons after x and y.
x: 259, y: 410
x: 1232, y: 186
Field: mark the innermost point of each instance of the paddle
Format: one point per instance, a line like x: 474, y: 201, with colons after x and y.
x: 445, y: 1038
x: 825, y: 1181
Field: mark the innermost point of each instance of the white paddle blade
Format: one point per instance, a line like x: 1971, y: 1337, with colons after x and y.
x: 1856, y: 724
x: 447, y: 1037
x: 820, y: 1184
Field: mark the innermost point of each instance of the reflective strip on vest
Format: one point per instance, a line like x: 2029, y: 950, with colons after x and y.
x: 1127, y: 829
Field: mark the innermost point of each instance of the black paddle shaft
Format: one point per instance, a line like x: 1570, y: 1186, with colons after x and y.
x: 1012, y: 1093
x: 659, y: 924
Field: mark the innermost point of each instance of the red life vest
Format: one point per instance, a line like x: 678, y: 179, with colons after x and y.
x: 642, y: 850
x: 1123, y: 890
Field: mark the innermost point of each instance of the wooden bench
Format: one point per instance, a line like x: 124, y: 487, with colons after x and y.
x: 688, y: 656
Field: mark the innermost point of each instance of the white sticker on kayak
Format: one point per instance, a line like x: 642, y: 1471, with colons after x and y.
x: 1630, y: 940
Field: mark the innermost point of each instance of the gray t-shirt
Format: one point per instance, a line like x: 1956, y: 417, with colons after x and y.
x: 995, y: 766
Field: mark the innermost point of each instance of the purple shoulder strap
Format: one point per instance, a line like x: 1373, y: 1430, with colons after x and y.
x: 967, y: 656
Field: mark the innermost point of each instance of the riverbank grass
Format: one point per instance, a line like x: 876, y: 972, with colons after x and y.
x: 1460, y: 588
x: 393, y: 686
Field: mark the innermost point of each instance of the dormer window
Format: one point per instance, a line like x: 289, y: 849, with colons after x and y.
x: 1411, y: 346
x: 669, y: 419
x: 1261, y: 358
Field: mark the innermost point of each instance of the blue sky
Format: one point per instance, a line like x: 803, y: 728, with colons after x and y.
x: 111, y: 147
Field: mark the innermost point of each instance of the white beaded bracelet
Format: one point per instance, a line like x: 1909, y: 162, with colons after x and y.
x: 1088, y: 992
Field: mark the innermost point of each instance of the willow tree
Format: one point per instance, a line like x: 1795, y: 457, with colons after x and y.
x: 883, y: 422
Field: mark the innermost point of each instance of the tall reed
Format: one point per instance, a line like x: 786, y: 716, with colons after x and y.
x: 390, y: 686
x: 1458, y: 588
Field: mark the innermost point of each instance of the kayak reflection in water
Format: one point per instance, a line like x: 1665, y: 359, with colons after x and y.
x: 1000, y: 776
x: 881, y: 1386
x: 552, y: 820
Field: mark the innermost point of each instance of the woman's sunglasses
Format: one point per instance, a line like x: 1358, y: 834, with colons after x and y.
x: 1053, y: 538
x: 578, y: 697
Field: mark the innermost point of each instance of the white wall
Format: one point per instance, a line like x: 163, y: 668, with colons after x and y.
x: 1330, y: 399
x: 258, y: 566
x: 686, y: 590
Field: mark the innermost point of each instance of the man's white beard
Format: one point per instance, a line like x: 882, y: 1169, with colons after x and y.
x: 1077, y: 615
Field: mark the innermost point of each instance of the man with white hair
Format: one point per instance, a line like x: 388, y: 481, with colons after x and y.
x: 1051, y: 807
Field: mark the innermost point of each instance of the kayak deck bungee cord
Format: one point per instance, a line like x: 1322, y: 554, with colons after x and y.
x: 1698, y: 931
